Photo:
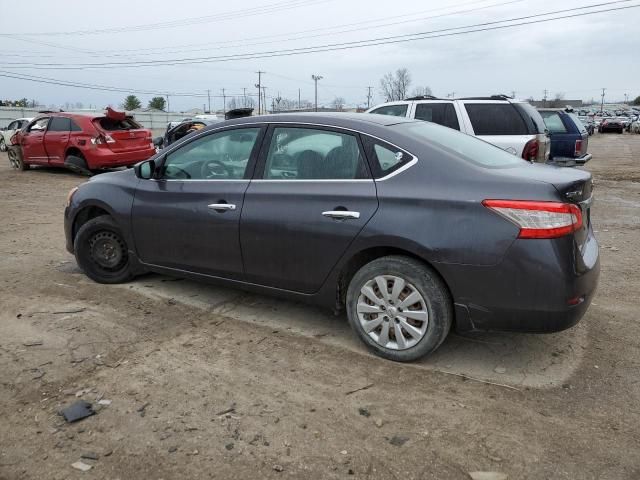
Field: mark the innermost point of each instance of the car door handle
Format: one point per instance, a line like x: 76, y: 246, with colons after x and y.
x: 222, y: 206
x: 341, y: 214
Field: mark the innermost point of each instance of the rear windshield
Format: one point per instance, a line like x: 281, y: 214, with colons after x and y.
x: 467, y: 147
x: 496, y: 119
x: 111, y: 125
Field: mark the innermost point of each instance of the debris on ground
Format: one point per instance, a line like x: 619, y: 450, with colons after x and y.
x: 77, y: 411
x: 398, y: 440
x: 487, y: 476
x: 83, y: 467
x: 89, y: 456
x: 500, y: 370
x: 364, y: 412
x: 379, y: 423
x: 231, y: 409
x: 278, y: 468
x: 104, y: 402
x: 366, y: 387
x: 32, y: 343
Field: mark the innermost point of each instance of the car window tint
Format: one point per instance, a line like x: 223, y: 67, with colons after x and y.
x: 218, y: 156
x: 466, y: 147
x: 394, y: 110
x: 59, y: 124
x: 496, y: 119
x: 440, y: 113
x: 553, y: 122
x: 74, y: 126
x: 310, y: 154
x: 39, y: 125
x: 385, y: 157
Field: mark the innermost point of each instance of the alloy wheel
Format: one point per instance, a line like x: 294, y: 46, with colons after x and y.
x: 3, y: 145
x: 13, y: 159
x: 392, y: 312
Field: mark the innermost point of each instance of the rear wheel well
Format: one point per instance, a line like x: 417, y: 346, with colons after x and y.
x: 74, y: 151
x: 362, y: 258
x: 86, y: 214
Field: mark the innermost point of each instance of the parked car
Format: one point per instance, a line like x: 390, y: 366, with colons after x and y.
x: 569, y: 137
x: 411, y: 227
x: 611, y: 125
x: 635, y: 126
x: 588, y: 123
x: 513, y: 125
x: 10, y: 130
x: 176, y: 132
x: 82, y: 142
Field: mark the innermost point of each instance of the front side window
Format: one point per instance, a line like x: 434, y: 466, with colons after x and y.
x: 218, y: 156
x: 59, y: 124
x: 440, y: 113
x: 39, y: 125
x: 496, y: 119
x: 393, y: 110
x: 311, y: 154
x: 553, y: 122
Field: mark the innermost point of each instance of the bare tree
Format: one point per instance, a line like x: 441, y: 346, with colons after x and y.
x: 421, y: 92
x: 338, y: 103
x: 395, y: 86
x: 240, y: 102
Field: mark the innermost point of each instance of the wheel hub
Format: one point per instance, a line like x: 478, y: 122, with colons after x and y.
x: 107, y: 250
x: 392, y: 312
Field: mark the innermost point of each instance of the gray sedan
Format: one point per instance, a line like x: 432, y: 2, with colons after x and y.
x: 412, y: 228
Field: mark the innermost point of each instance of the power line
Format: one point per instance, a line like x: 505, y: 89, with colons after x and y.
x: 261, y: 10
x: 447, y: 32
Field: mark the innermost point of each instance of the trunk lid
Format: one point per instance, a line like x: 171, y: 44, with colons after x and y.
x: 126, y: 135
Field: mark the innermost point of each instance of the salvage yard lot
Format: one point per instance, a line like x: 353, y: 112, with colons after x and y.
x: 207, y: 382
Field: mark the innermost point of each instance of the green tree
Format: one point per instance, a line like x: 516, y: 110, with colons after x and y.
x: 636, y: 101
x: 131, y: 103
x: 157, y: 103
x: 22, y: 103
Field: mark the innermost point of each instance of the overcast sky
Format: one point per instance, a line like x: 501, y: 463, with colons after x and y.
x: 575, y: 57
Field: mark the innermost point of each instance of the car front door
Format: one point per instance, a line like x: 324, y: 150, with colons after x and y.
x: 311, y: 196
x: 56, y: 139
x: 32, y: 142
x: 187, y: 217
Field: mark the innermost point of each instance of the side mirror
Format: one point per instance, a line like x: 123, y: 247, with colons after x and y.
x: 158, y: 142
x: 145, y: 170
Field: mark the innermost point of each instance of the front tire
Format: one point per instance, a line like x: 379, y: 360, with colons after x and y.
x: 399, y: 307
x: 3, y: 145
x: 101, y: 251
x: 15, y: 159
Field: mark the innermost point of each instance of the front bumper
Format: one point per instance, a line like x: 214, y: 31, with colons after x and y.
x: 68, y: 230
x: 540, y: 286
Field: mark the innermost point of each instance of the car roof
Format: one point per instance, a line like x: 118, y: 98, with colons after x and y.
x: 338, y: 119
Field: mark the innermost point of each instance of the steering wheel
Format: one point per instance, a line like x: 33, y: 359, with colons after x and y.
x: 215, y: 169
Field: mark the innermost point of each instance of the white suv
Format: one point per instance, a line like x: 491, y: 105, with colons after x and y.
x: 513, y: 125
x: 7, y: 133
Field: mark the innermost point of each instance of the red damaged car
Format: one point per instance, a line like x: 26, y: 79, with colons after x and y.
x: 81, y: 142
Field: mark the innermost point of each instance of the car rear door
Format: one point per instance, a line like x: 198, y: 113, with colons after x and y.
x: 56, y: 139
x: 442, y: 113
x: 498, y: 123
x: 32, y: 142
x: 187, y: 218
x: 311, y: 196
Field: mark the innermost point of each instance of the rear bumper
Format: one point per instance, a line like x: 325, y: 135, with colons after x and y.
x: 540, y: 286
x: 105, y: 158
x: 570, y: 161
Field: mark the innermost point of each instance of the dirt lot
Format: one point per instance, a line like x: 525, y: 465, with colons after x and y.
x: 212, y: 383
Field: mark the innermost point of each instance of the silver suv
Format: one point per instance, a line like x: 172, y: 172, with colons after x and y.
x: 513, y: 125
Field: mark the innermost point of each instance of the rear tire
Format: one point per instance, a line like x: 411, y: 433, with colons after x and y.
x: 77, y: 164
x: 101, y: 251
x: 15, y: 159
x: 408, y: 321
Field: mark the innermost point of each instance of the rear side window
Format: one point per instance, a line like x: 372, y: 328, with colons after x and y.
x: 578, y: 122
x: 59, y: 124
x: 440, y: 113
x: 496, y: 119
x: 553, y: 122
x: 74, y: 126
x: 112, y: 125
x: 393, y: 110
x: 310, y: 154
x: 385, y: 158
x: 13, y: 126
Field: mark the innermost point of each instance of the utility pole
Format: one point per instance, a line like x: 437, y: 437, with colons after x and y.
x: 209, y: 98
x: 299, y: 103
x: 513, y: 94
x: 264, y: 98
x: 315, y: 78
x: 369, y: 97
x: 168, y: 108
x: 545, y: 96
x: 224, y: 102
x: 244, y: 97
x: 259, y: 87
x: 626, y: 98
x: 602, y: 101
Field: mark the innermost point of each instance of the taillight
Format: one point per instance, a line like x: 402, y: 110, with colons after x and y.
x: 578, y: 149
x: 102, y: 139
x: 530, y: 151
x: 539, y: 219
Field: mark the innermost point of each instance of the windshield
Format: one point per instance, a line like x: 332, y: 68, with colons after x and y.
x: 467, y: 147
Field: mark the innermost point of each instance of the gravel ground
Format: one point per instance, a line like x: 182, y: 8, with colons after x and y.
x: 207, y: 382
